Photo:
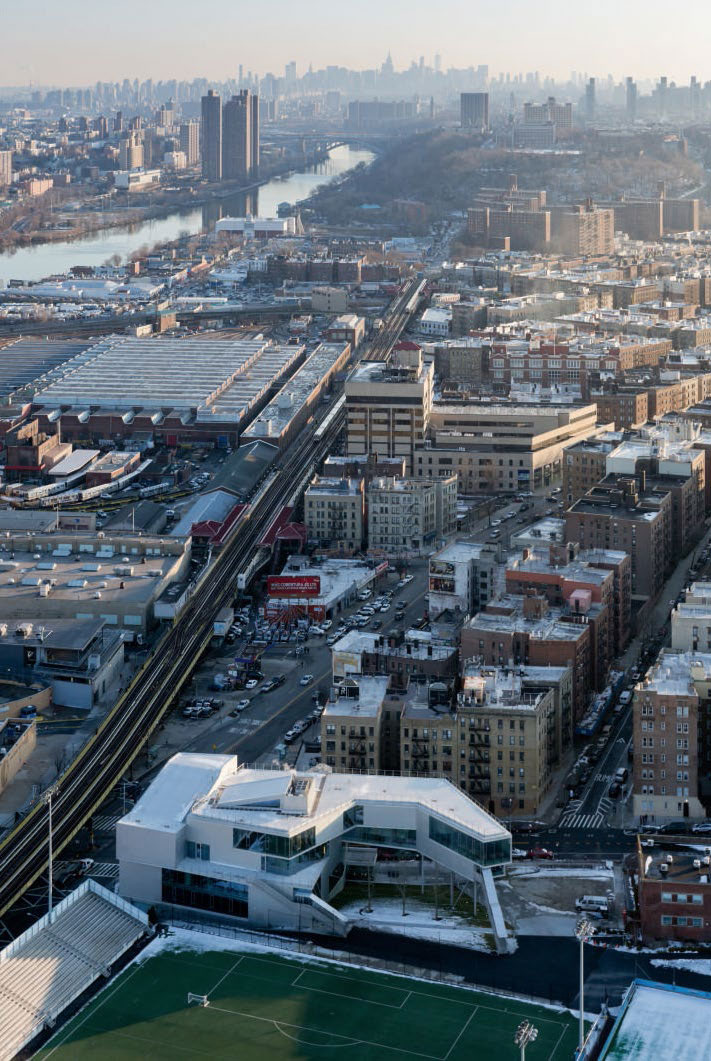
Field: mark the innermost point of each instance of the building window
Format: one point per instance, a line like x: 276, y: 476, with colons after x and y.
x: 204, y: 893
x: 200, y: 851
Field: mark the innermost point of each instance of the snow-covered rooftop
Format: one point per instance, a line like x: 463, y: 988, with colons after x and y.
x: 661, y: 1021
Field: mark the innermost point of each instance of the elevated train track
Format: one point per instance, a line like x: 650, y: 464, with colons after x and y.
x: 107, y: 755
x: 398, y: 315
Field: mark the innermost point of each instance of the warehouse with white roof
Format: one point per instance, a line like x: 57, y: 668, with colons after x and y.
x: 181, y: 387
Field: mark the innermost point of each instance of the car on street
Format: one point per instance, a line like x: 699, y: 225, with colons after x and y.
x: 330, y: 641
x: 251, y: 684
x: 540, y: 852
x: 614, y: 790
x: 326, y: 624
x: 306, y: 679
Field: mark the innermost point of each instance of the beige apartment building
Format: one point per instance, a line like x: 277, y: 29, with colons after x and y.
x: 670, y: 736
x: 409, y: 514
x: 334, y: 512
x: 499, y: 743
x: 351, y: 724
x: 388, y: 406
x: 496, y: 447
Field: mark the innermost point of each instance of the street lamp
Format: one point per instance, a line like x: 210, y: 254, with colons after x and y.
x: 47, y: 798
x: 525, y: 1033
x: 583, y: 931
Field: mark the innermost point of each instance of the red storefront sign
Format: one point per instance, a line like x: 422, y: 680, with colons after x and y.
x: 294, y: 585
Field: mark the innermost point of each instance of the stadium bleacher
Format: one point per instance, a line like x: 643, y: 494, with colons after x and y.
x: 51, y: 964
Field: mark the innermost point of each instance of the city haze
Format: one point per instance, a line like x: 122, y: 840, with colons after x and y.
x: 79, y: 43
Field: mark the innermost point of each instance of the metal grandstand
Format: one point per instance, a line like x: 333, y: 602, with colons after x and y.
x: 54, y: 962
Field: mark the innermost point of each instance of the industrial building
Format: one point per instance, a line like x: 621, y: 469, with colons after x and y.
x: 285, y: 415
x: 164, y: 389
x: 83, y: 576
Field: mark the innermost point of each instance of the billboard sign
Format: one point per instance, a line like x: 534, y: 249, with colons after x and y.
x: 294, y: 585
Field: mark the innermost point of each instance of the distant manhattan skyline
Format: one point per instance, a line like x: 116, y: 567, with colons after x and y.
x: 77, y: 42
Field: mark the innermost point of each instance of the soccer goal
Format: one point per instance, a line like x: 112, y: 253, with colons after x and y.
x: 199, y: 1000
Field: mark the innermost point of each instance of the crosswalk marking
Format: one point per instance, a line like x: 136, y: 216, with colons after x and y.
x: 582, y: 821
x: 105, y: 869
x: 104, y: 823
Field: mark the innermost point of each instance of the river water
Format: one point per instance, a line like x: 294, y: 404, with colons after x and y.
x: 35, y: 263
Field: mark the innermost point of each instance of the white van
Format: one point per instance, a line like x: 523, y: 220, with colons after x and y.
x: 597, y: 904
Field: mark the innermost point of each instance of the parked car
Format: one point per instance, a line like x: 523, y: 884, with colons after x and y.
x: 614, y: 790
x: 540, y: 852
x: 251, y: 684
x: 326, y: 624
x: 306, y: 679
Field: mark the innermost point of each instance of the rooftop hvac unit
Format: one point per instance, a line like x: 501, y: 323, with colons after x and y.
x: 663, y: 868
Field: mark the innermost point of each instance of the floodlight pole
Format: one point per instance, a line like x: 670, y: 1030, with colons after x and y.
x: 582, y: 931
x: 48, y: 795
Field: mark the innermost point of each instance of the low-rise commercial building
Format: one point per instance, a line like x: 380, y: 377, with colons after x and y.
x: 348, y: 328
x: 318, y: 589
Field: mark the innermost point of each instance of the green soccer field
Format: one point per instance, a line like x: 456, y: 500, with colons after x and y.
x: 263, y: 1005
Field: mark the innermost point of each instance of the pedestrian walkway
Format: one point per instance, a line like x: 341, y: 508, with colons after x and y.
x: 105, y: 823
x: 574, y: 819
x: 582, y: 821
x: 105, y: 870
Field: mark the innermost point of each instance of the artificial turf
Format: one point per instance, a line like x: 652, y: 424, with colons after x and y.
x: 264, y: 1005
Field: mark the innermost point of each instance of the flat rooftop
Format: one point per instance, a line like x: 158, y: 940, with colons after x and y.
x: 278, y: 414
x: 31, y: 362
x: 215, y: 380
x: 550, y: 627
x: 367, y: 641
x: 461, y: 552
x: 216, y: 787
x: 371, y: 690
x: 673, y: 673
x: 662, y: 1022
x: 329, y: 485
x: 76, y: 578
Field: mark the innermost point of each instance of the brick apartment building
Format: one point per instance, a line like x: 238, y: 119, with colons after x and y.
x: 514, y: 630
x: 626, y: 514
x: 670, y: 733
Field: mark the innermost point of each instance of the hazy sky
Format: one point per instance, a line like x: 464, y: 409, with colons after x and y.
x: 76, y: 42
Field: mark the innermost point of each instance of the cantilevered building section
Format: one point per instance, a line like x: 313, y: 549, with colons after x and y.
x: 270, y: 848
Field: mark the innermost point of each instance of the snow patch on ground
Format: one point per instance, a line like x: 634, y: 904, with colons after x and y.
x: 702, y: 966
x: 563, y: 871
x: 418, y: 923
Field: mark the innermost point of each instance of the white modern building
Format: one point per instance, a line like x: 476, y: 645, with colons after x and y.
x: 461, y: 578
x: 272, y: 847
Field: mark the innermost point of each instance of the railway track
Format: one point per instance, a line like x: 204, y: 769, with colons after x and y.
x: 399, y: 312
x: 105, y: 758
